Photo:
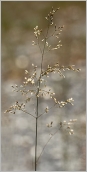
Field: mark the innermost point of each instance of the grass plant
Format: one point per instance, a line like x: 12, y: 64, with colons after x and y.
x: 32, y: 85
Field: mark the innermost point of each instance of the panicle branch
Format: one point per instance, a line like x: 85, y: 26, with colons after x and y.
x: 56, y: 68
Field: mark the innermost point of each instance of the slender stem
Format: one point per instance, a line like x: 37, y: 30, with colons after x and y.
x: 43, y: 148
x: 37, y: 106
x: 36, y: 148
x: 44, y: 49
x: 46, y: 112
x: 28, y: 113
x: 36, y: 132
x: 47, y: 143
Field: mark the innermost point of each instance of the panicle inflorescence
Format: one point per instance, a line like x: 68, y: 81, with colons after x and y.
x: 68, y: 125
x: 50, y: 16
x: 57, y: 31
x: 49, y: 124
x: 57, y: 68
x: 32, y: 85
x: 37, y: 32
x: 15, y: 107
x: 32, y: 80
x: 63, y: 103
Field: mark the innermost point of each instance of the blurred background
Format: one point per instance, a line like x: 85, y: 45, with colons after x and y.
x: 64, y: 152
